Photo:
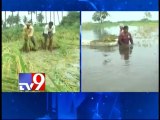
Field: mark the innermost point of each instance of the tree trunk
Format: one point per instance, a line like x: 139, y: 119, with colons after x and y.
x: 12, y: 19
x: 58, y: 17
x: 62, y: 14
x: 50, y: 16
x: 12, y: 13
x: 54, y: 17
x: 36, y: 15
x: 101, y: 17
x: 18, y: 17
x: 46, y: 16
x: 42, y: 14
x: 31, y: 17
x: 5, y: 17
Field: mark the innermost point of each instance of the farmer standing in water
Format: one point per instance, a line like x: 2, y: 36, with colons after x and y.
x: 124, y: 39
x: 49, y: 31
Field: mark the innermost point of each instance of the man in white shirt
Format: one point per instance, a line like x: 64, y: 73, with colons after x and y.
x: 49, y: 31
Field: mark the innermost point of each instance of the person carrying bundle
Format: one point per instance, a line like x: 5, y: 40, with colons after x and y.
x: 28, y: 31
x: 49, y: 31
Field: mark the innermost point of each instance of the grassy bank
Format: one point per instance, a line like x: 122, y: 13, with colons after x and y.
x: 89, y: 25
x: 61, y: 66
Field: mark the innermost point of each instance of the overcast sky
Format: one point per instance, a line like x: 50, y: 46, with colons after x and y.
x: 23, y: 13
x: 87, y: 15
x: 120, y: 15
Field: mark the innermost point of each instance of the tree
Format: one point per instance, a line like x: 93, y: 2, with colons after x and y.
x: 54, y: 20
x: 36, y: 14
x: 100, y: 16
x: 71, y: 18
x: 46, y: 16
x: 40, y: 18
x: 16, y: 19
x: 4, y: 22
x: 24, y: 19
x: 62, y: 14
x: 50, y: 15
x: 58, y: 17
x: 147, y: 15
x: 10, y: 20
x: 5, y: 16
x: 31, y: 13
x: 12, y: 13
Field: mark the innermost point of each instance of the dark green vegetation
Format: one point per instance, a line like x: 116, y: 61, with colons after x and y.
x: 61, y: 66
x: 100, y: 16
x: 90, y: 26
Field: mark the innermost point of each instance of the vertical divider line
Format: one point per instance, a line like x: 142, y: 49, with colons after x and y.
x: 80, y: 53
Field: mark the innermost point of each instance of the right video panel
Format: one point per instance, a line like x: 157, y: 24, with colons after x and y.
x: 119, y: 51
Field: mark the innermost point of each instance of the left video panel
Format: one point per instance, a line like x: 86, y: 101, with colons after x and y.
x: 40, y: 51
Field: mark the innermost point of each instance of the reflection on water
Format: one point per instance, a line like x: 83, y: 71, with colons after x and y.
x: 100, y: 33
x: 102, y: 48
x: 124, y: 69
x: 125, y: 51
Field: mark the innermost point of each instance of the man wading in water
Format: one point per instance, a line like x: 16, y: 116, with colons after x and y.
x: 124, y: 39
x: 48, y: 32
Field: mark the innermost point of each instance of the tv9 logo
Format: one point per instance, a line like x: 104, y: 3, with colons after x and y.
x: 32, y: 81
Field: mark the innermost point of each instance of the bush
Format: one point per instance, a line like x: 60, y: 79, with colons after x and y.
x: 72, y: 19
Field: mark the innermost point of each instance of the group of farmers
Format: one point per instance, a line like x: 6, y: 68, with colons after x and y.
x: 48, y: 32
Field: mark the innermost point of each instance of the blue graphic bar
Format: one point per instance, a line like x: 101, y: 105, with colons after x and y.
x: 80, y: 105
x: 80, y: 5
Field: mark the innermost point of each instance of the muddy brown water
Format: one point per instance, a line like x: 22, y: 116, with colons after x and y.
x: 121, y: 70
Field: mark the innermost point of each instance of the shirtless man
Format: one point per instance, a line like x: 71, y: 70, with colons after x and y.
x: 125, y: 37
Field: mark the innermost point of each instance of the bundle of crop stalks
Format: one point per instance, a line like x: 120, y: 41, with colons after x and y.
x: 42, y: 44
x: 12, y: 65
x: 28, y: 46
x: 50, y: 44
x: 109, y: 38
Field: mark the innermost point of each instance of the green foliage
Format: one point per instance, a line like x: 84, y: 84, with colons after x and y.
x: 59, y: 65
x: 91, y: 26
x: 16, y: 19
x: 12, y: 64
x: 147, y: 15
x: 72, y: 19
x: 24, y: 19
x: 12, y: 34
x: 40, y: 18
x: 4, y: 25
x: 10, y: 20
x: 100, y: 16
x: 13, y: 19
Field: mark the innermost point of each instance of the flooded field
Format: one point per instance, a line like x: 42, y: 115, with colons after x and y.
x: 122, y: 70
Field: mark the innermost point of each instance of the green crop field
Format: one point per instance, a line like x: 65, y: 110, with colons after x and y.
x: 61, y: 65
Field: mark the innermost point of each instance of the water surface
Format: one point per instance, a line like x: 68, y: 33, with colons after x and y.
x: 122, y: 70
